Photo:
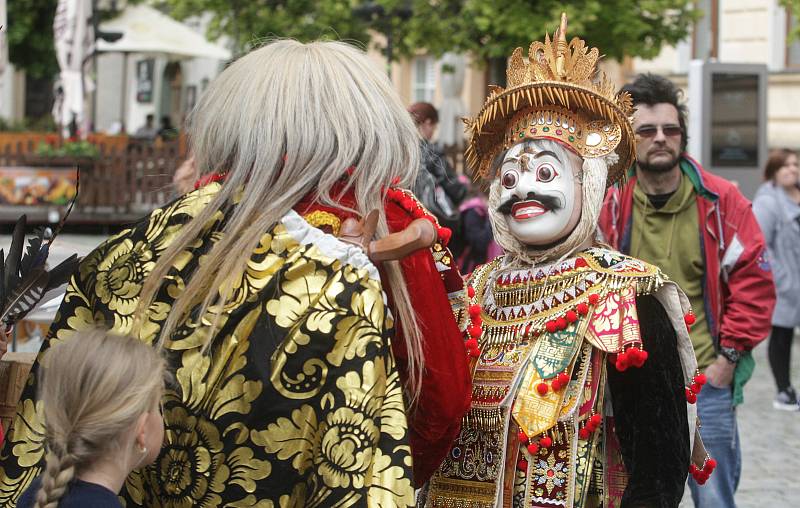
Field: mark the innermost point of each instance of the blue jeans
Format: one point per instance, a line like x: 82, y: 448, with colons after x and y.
x: 721, y: 437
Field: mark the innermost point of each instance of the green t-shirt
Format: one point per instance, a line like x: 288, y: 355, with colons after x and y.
x: 669, y: 237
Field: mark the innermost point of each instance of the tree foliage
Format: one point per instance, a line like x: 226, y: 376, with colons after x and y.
x: 30, y: 36
x: 486, y: 29
x: 793, y: 8
x: 30, y: 33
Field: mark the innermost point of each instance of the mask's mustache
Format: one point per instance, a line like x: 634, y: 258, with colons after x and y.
x: 550, y: 203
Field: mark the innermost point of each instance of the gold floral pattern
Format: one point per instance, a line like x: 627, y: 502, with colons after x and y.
x: 297, y: 403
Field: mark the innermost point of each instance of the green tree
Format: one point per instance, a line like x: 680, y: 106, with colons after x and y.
x: 30, y: 36
x: 793, y: 7
x: 486, y: 29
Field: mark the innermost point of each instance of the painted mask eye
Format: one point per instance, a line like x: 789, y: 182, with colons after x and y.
x: 510, y: 179
x: 545, y: 173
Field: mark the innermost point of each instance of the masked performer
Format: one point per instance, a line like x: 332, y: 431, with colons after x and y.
x: 581, y: 360
x: 291, y: 388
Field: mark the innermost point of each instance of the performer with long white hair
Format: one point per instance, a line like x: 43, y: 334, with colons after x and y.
x: 299, y: 380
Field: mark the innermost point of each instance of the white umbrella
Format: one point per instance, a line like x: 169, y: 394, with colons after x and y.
x: 73, y: 41
x: 146, y: 30
x: 451, y: 110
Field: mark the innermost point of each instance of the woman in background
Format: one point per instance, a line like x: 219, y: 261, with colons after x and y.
x: 777, y: 209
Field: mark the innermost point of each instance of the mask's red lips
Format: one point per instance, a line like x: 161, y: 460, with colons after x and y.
x: 527, y: 209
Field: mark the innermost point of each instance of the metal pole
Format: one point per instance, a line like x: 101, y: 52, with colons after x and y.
x: 124, y: 106
x: 95, y: 24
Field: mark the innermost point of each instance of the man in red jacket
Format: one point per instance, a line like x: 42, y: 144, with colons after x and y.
x: 701, y: 231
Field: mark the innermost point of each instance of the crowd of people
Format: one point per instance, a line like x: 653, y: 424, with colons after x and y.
x: 331, y: 315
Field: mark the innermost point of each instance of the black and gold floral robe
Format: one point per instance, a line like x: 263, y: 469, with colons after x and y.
x: 298, y: 401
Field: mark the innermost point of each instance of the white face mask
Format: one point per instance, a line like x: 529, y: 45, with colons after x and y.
x: 540, y: 195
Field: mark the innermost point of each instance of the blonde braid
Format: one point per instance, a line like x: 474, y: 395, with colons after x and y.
x: 59, y: 471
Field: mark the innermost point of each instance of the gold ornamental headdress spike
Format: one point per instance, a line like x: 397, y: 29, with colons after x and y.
x: 561, y: 47
x: 555, y: 93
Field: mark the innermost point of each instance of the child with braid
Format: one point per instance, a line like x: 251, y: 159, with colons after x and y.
x: 101, y: 396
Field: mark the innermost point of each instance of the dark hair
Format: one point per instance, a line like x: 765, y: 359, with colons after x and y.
x: 421, y: 112
x: 777, y: 159
x: 652, y: 89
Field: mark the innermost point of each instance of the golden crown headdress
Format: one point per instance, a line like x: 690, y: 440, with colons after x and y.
x: 557, y: 94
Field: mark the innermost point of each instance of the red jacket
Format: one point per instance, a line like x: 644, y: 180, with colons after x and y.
x: 739, y: 293
x: 446, y: 384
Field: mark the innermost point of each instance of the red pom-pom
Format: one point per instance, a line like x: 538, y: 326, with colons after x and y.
x: 551, y: 326
x: 692, y: 469
x: 636, y: 357
x: 471, y: 344
x: 444, y: 235
x: 584, y: 433
x: 522, y: 465
x: 477, y: 321
x: 700, y: 379
x: 475, y: 352
x: 711, y: 465
x: 533, y: 448
x: 555, y: 385
x: 696, y: 387
x: 475, y: 331
x: 582, y: 308
x: 596, y: 419
x: 571, y: 316
x: 561, y: 323
x: 474, y: 311
x: 471, y: 291
x: 691, y: 397
x: 689, y: 319
x: 643, y: 356
x: 546, y: 441
x: 563, y: 379
x: 523, y: 438
x: 594, y: 298
x: 622, y: 362
x: 542, y: 389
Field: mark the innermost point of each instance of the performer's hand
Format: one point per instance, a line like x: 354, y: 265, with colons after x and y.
x: 720, y: 373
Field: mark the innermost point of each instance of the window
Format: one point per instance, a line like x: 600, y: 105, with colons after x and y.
x: 705, y: 34
x: 424, y: 76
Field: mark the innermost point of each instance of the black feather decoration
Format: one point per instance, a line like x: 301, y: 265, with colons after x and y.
x: 25, y: 280
x: 12, y: 262
x: 24, y: 298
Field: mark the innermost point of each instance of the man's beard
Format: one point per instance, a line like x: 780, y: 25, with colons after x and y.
x: 659, y: 167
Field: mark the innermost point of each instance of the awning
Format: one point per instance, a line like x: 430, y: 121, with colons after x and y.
x: 146, y: 30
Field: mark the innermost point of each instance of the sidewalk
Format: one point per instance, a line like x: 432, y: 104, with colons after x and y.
x: 770, y: 442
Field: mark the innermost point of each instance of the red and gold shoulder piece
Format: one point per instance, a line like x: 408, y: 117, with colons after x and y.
x: 646, y: 277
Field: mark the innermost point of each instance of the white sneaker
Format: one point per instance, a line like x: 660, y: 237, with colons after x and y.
x: 786, y: 400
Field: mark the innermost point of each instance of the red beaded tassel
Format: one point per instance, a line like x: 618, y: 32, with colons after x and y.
x: 474, y: 329
x: 702, y: 474
x: 631, y: 357
x: 591, y: 425
x: 697, y: 384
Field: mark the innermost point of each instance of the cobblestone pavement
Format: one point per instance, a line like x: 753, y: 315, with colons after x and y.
x: 770, y: 442
x: 770, y: 438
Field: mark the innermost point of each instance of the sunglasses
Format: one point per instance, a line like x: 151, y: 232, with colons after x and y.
x: 650, y: 131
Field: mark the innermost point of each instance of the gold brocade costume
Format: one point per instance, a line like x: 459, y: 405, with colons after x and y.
x: 488, y: 464
x: 297, y: 403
